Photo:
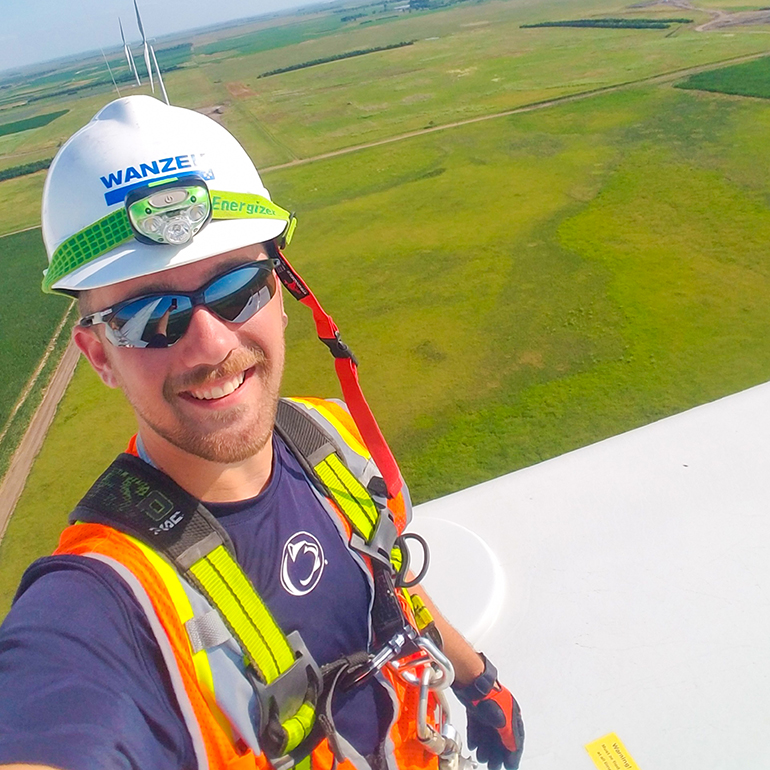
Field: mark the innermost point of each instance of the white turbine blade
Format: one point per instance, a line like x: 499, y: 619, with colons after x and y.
x: 144, y: 40
x: 129, y: 58
x: 147, y: 62
x: 134, y: 69
x: 109, y: 69
x: 139, y: 22
x: 160, y: 77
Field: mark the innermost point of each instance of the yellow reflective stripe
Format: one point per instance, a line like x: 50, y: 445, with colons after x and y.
x: 396, y: 557
x: 299, y: 726
x: 173, y: 583
x: 422, y: 614
x: 248, y: 618
x: 346, y: 490
x: 349, y: 439
x: 303, y: 764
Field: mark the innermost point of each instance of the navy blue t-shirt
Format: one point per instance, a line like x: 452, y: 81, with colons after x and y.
x: 82, y: 681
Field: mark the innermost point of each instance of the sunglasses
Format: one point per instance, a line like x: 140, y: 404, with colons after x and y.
x: 160, y: 320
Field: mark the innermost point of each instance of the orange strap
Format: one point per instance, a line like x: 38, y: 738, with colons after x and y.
x: 96, y: 538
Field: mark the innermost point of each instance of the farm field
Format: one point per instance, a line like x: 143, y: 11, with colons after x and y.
x: 466, y: 61
x: 548, y: 279
x: 28, y: 320
x: 514, y: 288
x: 748, y: 79
x: 502, y: 67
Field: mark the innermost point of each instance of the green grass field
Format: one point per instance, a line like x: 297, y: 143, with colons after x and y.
x: 501, y: 67
x: 27, y: 318
x: 20, y: 204
x: 514, y: 288
x: 17, y: 126
x: 749, y: 79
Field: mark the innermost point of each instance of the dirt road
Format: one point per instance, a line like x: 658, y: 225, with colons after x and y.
x: 16, y: 477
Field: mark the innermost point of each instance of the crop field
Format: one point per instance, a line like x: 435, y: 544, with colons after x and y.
x: 27, y: 318
x: 351, y: 102
x: 749, y: 79
x: 515, y: 288
x: 17, y: 126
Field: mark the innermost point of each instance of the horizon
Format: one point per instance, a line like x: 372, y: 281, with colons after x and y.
x: 26, y: 42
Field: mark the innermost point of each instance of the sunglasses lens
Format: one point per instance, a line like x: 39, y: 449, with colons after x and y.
x: 150, y: 322
x: 160, y: 320
x: 239, y: 294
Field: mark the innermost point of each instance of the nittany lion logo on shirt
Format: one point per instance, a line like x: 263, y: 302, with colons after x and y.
x: 302, y: 563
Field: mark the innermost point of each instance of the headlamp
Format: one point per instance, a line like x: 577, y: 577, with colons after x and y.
x: 170, y: 213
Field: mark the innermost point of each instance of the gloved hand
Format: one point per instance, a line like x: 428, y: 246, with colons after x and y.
x: 495, y: 728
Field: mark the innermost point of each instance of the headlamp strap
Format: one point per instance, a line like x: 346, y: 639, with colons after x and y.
x: 231, y: 205
x: 346, y: 366
x: 115, y: 229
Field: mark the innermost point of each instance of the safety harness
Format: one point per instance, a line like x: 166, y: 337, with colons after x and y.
x: 293, y: 692
x: 354, y: 471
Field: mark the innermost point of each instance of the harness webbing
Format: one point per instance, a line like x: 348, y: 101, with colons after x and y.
x: 349, y: 494
x: 143, y: 502
x: 229, y: 589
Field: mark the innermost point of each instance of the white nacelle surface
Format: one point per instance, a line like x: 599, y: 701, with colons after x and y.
x: 625, y: 588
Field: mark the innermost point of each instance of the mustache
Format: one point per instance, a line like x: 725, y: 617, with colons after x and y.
x: 236, y: 362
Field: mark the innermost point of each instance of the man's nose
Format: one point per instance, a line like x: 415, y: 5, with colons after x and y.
x: 208, y: 340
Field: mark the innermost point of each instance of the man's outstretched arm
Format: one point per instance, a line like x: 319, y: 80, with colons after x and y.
x: 468, y: 663
x: 495, y: 727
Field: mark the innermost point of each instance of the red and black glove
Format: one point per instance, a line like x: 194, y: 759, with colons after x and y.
x: 495, y: 728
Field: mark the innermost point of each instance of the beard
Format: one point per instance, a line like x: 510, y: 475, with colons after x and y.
x: 229, y: 436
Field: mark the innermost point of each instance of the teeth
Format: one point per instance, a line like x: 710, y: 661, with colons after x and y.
x: 219, y: 391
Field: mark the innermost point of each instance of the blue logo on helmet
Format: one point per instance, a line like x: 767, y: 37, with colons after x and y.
x: 119, y: 183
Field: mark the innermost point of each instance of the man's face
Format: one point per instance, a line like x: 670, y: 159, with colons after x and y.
x: 214, y: 393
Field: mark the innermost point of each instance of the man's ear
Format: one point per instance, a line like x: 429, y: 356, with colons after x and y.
x: 94, y: 349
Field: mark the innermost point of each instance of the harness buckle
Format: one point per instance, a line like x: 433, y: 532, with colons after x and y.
x: 428, y: 658
x: 382, y: 539
x: 338, y: 348
x: 284, y: 697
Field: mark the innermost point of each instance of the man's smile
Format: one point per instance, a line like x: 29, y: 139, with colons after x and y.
x: 218, y: 390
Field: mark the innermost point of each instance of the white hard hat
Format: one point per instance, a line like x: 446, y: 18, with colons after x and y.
x: 133, y: 144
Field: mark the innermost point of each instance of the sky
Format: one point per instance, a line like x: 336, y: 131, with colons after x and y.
x: 39, y: 30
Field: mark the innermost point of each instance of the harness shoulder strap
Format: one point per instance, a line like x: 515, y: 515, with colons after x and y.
x: 324, y: 438
x: 139, y: 500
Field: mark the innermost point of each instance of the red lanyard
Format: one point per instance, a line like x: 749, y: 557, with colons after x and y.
x: 347, y: 373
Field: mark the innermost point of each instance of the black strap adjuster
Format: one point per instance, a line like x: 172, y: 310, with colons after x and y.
x: 338, y: 348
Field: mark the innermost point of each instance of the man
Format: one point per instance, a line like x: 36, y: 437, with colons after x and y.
x: 249, y: 631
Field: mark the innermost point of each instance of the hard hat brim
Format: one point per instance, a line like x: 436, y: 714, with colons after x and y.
x: 134, y: 259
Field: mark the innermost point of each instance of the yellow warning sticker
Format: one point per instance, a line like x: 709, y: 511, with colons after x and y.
x: 609, y: 753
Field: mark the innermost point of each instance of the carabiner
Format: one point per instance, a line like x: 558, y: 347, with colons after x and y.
x: 386, y: 655
x: 445, y: 742
x: 431, y: 657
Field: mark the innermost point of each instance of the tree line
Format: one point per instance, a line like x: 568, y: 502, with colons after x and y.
x: 611, y: 23
x: 23, y: 170
x: 337, y: 57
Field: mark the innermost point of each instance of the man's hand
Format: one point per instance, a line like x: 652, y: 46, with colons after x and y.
x: 495, y: 728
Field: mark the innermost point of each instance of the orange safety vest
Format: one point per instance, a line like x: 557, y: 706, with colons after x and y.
x: 147, y: 574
